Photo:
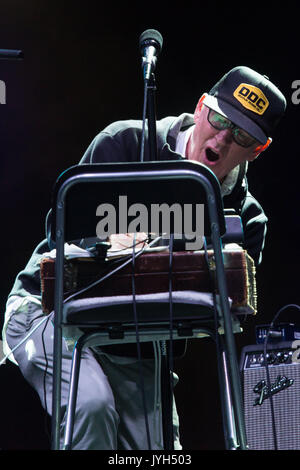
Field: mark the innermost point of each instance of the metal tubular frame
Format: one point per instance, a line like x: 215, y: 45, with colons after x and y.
x: 232, y: 412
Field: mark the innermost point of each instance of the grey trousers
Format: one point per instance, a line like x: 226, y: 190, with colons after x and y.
x: 109, y: 410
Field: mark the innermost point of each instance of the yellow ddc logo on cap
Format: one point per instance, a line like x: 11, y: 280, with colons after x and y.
x: 251, y: 98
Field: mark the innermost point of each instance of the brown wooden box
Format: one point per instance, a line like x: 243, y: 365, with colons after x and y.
x: 189, y: 272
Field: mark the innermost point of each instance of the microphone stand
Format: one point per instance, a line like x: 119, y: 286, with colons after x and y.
x: 165, y: 376
x: 151, y: 108
x: 149, y: 112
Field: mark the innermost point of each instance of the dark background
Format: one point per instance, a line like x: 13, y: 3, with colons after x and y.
x: 82, y: 71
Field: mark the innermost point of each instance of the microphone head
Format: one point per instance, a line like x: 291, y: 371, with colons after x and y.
x: 11, y: 54
x: 151, y: 37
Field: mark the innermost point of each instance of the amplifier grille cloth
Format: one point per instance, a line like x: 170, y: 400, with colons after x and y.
x: 286, y: 409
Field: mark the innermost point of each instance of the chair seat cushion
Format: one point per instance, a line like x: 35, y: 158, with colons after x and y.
x: 186, y: 305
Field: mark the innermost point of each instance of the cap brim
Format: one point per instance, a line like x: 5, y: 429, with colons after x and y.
x: 236, y: 116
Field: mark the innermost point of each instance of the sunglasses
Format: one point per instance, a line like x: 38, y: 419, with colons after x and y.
x: 240, y: 136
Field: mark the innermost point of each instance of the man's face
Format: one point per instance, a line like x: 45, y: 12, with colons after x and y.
x: 214, y: 148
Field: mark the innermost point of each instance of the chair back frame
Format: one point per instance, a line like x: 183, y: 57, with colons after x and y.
x: 131, y: 173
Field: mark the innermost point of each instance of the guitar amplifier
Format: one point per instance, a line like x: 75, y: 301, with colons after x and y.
x: 284, y: 387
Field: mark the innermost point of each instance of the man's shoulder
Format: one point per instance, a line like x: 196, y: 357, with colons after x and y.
x: 120, y: 140
x: 122, y: 126
x: 136, y: 125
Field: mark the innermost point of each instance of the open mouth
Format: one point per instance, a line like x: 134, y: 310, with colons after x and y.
x: 211, y: 155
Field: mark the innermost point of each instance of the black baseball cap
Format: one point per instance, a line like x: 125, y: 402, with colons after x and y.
x: 250, y: 100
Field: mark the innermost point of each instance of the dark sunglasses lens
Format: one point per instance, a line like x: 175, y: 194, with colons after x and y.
x: 220, y: 122
x: 243, y: 138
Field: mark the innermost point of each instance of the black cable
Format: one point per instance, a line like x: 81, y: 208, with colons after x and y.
x: 171, y: 362
x: 98, y: 281
x: 217, y: 339
x: 110, y: 273
x: 170, y: 354
x: 267, y: 369
x: 44, y: 378
x: 212, y: 285
x: 142, y: 384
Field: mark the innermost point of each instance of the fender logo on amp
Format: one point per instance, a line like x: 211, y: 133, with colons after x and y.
x: 264, y: 392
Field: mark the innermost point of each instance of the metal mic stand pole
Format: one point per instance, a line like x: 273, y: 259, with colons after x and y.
x: 166, y: 380
x: 151, y: 112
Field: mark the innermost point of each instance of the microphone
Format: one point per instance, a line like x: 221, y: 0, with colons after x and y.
x: 10, y: 54
x: 150, y: 43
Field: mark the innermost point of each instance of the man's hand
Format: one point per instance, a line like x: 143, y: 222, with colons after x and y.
x: 122, y: 241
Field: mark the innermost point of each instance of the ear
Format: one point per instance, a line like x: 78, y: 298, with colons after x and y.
x: 260, y: 148
x: 199, y: 107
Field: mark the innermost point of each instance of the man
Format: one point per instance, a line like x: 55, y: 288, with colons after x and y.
x: 232, y: 124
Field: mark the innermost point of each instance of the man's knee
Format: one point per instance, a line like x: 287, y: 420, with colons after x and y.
x: 97, y: 404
